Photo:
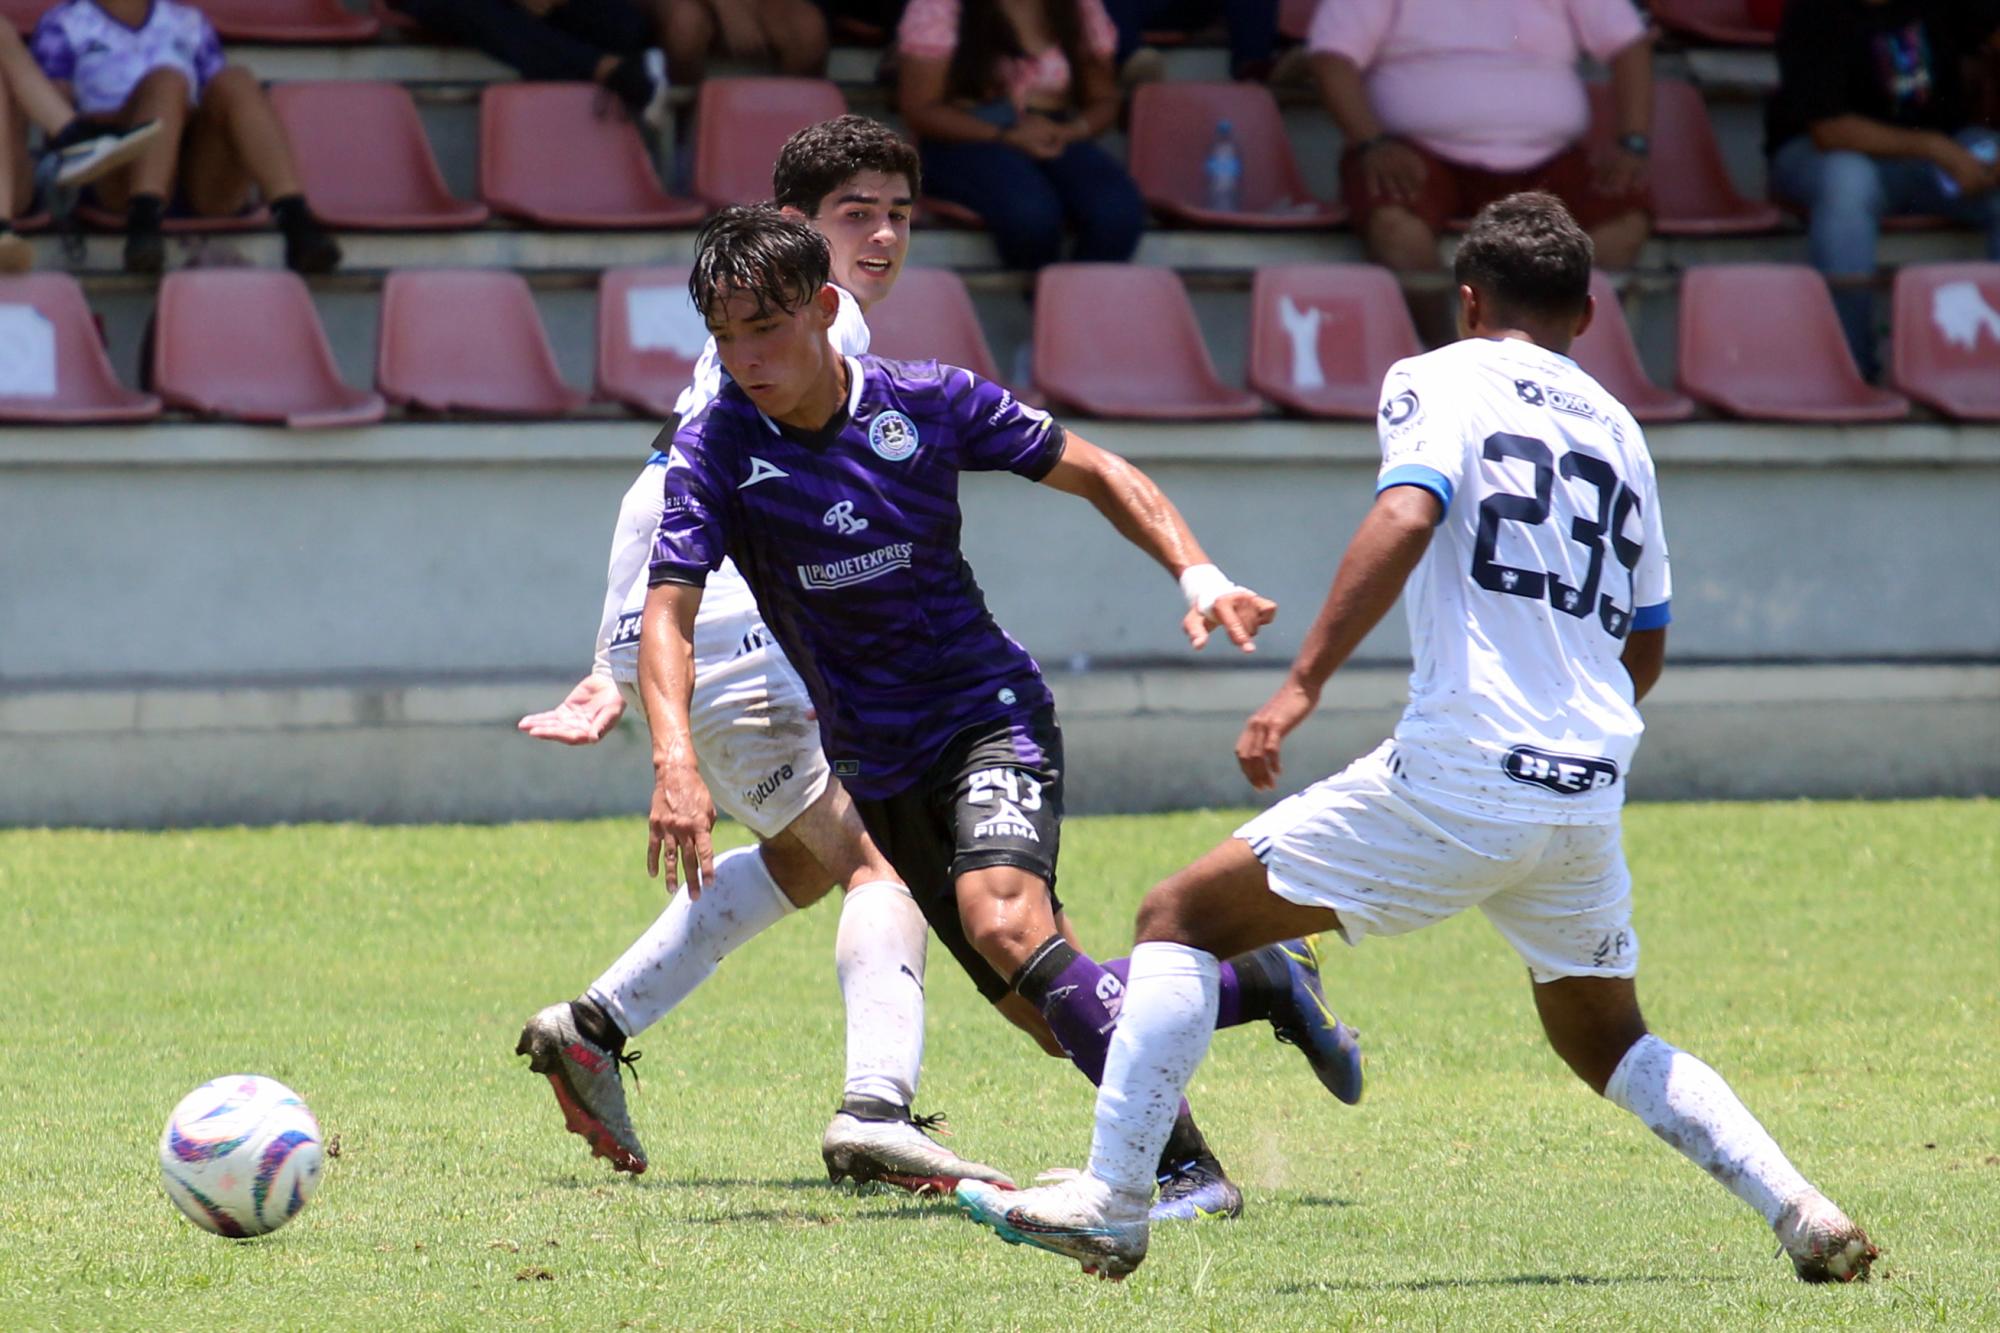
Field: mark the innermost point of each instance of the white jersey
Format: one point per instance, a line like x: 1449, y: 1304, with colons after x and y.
x: 728, y: 620
x: 1550, y: 552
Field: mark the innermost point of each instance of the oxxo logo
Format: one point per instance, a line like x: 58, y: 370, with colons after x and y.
x: 841, y: 518
x: 1564, y: 774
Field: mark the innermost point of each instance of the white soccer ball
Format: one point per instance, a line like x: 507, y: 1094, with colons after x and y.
x: 241, y: 1155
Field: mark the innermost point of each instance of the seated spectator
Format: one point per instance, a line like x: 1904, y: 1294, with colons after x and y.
x: 1874, y: 115
x: 131, y: 61
x: 786, y: 35
x: 1446, y: 107
x: 74, y: 151
x: 1252, y: 26
x: 614, y: 43
x: 1005, y: 98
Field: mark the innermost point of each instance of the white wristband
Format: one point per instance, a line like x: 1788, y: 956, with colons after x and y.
x: 1202, y: 584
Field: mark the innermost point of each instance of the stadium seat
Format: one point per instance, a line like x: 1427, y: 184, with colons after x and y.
x: 1946, y: 349
x: 739, y: 126
x: 547, y: 155
x: 1762, y: 341
x: 1692, y: 192
x: 24, y: 14
x: 364, y: 159
x: 649, y: 336
x: 929, y: 317
x: 1607, y: 353
x: 246, y: 344
x: 53, y: 368
x: 1731, y: 22
x: 1322, y: 336
x: 255, y: 218
x: 1173, y: 125
x: 314, y: 21
x: 1120, y: 340
x: 468, y: 340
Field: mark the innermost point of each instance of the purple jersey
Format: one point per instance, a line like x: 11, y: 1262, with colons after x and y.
x: 850, y: 540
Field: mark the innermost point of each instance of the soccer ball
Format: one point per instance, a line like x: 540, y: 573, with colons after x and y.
x: 240, y: 1155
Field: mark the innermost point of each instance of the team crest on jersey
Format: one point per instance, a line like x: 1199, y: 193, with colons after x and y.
x: 892, y: 436
x: 1401, y: 408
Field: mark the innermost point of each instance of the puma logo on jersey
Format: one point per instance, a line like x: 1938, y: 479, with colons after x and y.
x: 759, y: 471
x: 1006, y: 822
x: 1564, y: 774
x: 841, y: 518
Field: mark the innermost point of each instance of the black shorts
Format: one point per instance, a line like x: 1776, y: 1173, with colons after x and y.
x: 992, y: 798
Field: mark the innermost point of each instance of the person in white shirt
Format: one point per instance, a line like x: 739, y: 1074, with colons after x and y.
x: 1517, y: 513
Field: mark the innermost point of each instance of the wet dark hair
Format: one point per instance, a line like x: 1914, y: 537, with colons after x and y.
x: 1526, y: 255
x: 757, y: 250
x: 986, y: 36
x: 820, y: 158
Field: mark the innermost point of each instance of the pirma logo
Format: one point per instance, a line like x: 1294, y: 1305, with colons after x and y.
x: 1006, y: 822
x: 892, y: 436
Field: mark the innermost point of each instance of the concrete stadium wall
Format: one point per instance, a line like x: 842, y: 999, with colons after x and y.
x: 211, y: 624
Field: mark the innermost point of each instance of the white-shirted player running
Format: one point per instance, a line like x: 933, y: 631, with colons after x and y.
x: 1517, y: 501
x: 855, y: 180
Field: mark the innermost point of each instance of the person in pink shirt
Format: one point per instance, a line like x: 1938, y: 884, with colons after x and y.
x: 1005, y: 99
x: 1447, y: 106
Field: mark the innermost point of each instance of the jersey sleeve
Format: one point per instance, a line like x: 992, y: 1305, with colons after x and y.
x: 691, y: 540
x: 208, y: 58
x: 1652, y: 577
x: 631, y: 553
x: 52, y: 48
x: 998, y: 432
x: 1420, y: 447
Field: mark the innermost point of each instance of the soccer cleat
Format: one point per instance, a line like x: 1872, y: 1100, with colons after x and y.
x: 1195, y: 1192
x: 1303, y: 1020
x: 86, y: 151
x: 1823, y: 1244
x: 1081, y: 1218
x: 878, y: 1140
x: 585, y: 1078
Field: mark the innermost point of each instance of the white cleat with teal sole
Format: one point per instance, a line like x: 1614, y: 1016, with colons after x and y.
x: 1081, y: 1218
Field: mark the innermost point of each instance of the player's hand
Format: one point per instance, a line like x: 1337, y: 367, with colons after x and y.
x: 1239, y: 613
x: 1394, y: 171
x: 1620, y: 172
x: 678, y: 825
x: 1964, y: 166
x: 1257, y: 749
x: 584, y: 717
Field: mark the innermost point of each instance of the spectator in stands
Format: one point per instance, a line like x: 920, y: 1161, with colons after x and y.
x: 1874, y: 115
x: 1005, y: 98
x: 1446, y: 107
x: 613, y: 43
x: 789, y: 35
x: 131, y: 61
x: 1252, y: 26
x: 74, y: 151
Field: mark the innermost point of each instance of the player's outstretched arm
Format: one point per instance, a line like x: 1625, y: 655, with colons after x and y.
x: 1387, y: 546
x: 682, y: 813
x: 585, y: 716
x: 1144, y: 516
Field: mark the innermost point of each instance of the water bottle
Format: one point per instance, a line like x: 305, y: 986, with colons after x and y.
x: 1224, y: 170
x: 1986, y: 150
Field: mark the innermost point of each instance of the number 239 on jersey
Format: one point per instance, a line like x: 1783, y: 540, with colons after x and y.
x: 1615, y: 506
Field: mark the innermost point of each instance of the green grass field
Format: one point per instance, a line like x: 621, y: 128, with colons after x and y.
x: 1839, y: 963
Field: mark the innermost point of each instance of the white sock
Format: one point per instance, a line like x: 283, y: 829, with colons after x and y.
x: 680, y: 950
x: 879, y: 954
x: 1687, y: 1104
x: 1171, y: 994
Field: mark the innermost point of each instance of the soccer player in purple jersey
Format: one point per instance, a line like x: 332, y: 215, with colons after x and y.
x: 832, y: 482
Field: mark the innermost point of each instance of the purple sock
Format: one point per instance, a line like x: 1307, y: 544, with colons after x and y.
x: 1079, y: 999
x: 1231, y: 1012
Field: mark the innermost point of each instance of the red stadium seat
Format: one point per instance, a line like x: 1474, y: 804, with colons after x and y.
x: 468, y: 340
x: 649, y: 336
x: 364, y: 159
x: 1731, y: 22
x: 929, y: 317
x: 547, y: 155
x: 46, y: 311
x: 739, y: 126
x: 1322, y: 336
x: 256, y: 218
x: 1120, y: 340
x: 246, y: 343
x: 1692, y: 192
x: 1946, y: 351
x: 1173, y: 125
x: 1762, y: 341
x: 1607, y: 353
x: 314, y: 21
x: 24, y: 14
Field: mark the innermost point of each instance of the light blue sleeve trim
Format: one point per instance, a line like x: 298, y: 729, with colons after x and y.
x: 1658, y: 616
x: 1412, y: 474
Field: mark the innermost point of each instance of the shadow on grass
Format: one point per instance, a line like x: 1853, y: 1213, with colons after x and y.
x: 1321, y: 1201
x: 1466, y: 1283
x: 651, y: 1181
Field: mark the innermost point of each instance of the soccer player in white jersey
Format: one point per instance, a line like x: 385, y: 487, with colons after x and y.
x: 756, y: 738
x: 1516, y: 501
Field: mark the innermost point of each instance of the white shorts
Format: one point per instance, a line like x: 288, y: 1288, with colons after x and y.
x: 755, y: 737
x: 1388, y: 861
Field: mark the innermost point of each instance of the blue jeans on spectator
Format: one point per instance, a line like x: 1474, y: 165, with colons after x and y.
x: 1252, y: 24
x: 1846, y: 195
x: 1026, y: 202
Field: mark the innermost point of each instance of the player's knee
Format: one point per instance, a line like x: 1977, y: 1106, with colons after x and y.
x: 1164, y: 916
x: 163, y: 92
